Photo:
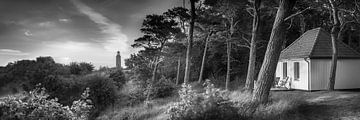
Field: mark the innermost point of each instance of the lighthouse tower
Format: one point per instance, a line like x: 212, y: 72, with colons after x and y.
x: 118, y: 60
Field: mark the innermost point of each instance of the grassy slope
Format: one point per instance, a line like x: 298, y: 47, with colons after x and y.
x: 320, y: 105
x: 324, y: 105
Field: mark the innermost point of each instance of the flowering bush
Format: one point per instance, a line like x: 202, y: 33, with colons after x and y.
x: 212, y: 104
x: 81, y: 108
x: 36, y: 105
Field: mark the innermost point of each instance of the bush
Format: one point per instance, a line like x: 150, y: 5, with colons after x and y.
x: 65, y: 89
x: 103, y: 92
x: 81, y: 68
x: 210, y: 105
x: 163, y: 88
x: 36, y: 105
x: 135, y: 90
x: 118, y: 77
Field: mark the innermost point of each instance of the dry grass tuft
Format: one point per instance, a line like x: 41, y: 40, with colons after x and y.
x: 152, y: 110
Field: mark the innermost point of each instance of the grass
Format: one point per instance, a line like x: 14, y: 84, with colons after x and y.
x: 325, y: 105
x: 153, y: 110
x: 284, y: 105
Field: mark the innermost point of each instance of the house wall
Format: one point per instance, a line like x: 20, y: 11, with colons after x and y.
x: 302, y: 82
x: 347, y: 74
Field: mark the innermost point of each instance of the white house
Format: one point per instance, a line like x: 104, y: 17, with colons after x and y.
x: 306, y: 62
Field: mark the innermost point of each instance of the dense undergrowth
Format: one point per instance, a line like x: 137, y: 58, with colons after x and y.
x: 208, y: 103
x: 36, y: 105
x: 192, y: 102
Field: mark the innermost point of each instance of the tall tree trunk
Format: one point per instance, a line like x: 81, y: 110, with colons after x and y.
x: 178, y: 71
x: 153, y: 79
x: 334, y: 37
x: 228, y: 51
x: 228, y: 70
x: 190, y: 40
x: 249, y: 85
x: 271, y: 58
x: 204, y: 56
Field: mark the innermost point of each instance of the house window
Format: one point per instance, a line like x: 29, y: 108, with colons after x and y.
x: 296, y: 70
x: 284, y: 70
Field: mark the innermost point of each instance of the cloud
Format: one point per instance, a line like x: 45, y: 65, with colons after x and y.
x: 12, y: 52
x: 64, y: 20
x: 115, y: 39
x: 28, y: 33
x: 74, y: 51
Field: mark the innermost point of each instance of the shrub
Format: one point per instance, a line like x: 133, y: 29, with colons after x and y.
x: 163, y: 88
x: 135, y: 90
x: 81, y: 108
x: 118, y: 77
x: 66, y: 90
x: 103, y: 92
x: 36, y: 105
x: 81, y: 68
x: 210, y: 105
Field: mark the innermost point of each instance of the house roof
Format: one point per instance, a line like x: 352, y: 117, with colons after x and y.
x: 316, y: 43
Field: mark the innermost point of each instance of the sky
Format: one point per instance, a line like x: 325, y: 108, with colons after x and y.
x: 73, y: 30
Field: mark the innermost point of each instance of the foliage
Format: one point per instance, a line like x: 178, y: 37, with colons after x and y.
x: 63, y: 88
x: 163, y: 88
x: 102, y: 94
x: 27, y: 73
x: 118, y: 77
x: 135, y: 89
x: 212, y: 104
x: 140, y: 64
x: 81, y: 107
x: 36, y: 105
x: 81, y: 68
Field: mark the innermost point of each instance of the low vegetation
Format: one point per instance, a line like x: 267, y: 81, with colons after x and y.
x: 193, y: 102
x: 36, y: 105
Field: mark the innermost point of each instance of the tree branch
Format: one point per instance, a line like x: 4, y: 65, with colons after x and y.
x: 246, y: 40
x: 298, y: 13
x: 248, y: 10
x: 236, y: 23
x: 244, y: 46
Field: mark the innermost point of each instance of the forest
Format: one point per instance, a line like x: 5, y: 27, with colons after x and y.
x: 204, y: 60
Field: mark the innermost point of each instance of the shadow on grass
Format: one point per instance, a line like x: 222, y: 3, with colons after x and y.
x: 315, y: 111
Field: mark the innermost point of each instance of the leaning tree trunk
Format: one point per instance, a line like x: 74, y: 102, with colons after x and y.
x: 178, y: 71
x: 189, y: 45
x: 153, y: 79
x: 228, y: 52
x: 204, y: 57
x: 277, y: 38
x: 334, y: 36
x: 228, y: 70
x: 249, y: 85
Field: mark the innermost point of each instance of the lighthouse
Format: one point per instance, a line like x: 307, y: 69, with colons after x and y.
x: 118, y: 60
